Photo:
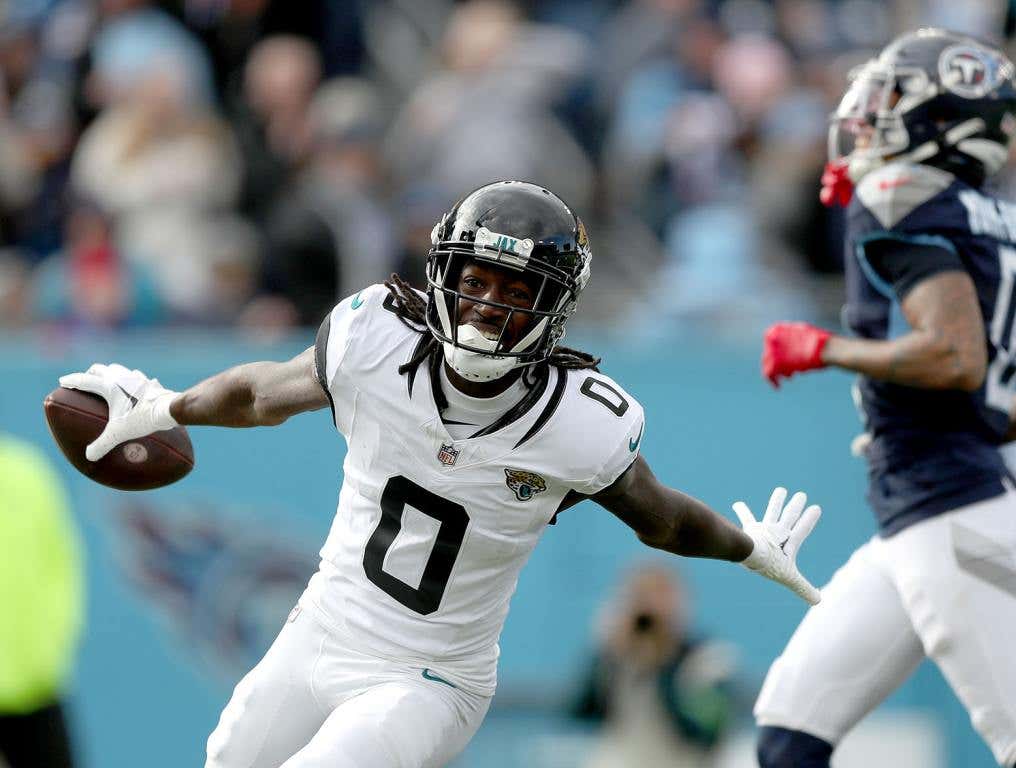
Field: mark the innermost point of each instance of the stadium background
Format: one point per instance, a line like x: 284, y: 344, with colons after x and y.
x: 188, y: 185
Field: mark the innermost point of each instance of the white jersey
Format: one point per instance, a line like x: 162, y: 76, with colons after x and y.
x: 431, y: 532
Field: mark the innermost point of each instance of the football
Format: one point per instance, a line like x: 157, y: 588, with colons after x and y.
x: 76, y: 418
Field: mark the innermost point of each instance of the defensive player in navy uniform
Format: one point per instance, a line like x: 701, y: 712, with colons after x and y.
x: 931, y: 262
x: 469, y: 429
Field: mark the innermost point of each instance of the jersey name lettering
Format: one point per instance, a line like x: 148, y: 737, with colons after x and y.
x: 995, y: 218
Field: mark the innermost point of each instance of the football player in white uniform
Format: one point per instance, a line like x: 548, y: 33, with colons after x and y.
x: 468, y: 429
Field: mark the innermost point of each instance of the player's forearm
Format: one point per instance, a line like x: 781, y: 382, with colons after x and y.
x: 922, y: 358
x: 701, y: 532
x: 228, y: 399
x: 675, y: 522
x: 665, y: 518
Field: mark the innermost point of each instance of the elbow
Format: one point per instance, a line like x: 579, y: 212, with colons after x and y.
x: 266, y: 415
x: 653, y: 540
x: 970, y: 381
x: 253, y: 408
x: 968, y: 374
x: 958, y: 365
x: 664, y: 538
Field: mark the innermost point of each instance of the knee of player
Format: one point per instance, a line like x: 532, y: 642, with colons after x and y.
x: 784, y: 748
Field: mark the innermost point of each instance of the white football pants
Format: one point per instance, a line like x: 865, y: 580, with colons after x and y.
x: 944, y: 588
x: 311, y: 703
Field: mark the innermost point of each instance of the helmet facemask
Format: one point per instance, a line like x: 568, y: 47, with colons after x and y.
x: 471, y: 353
x: 867, y: 128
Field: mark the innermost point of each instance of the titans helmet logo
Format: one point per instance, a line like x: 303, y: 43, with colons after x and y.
x: 968, y: 71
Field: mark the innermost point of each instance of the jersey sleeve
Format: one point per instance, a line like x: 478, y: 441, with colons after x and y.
x: 335, y: 351
x: 901, y: 264
x: 900, y: 223
x: 608, y: 435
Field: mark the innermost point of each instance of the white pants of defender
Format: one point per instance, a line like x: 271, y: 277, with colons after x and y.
x: 311, y: 703
x: 944, y: 588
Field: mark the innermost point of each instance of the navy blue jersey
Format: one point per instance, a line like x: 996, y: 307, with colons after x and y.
x: 932, y: 450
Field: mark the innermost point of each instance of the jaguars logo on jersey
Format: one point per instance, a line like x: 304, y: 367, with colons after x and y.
x: 524, y: 484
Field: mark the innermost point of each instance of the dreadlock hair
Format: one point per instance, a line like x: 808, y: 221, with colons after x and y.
x: 411, y: 309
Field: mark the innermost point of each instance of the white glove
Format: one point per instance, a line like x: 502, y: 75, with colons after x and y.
x: 138, y: 405
x: 777, y: 539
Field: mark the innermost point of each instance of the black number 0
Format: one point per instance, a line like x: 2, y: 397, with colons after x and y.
x: 606, y: 394
x: 398, y: 492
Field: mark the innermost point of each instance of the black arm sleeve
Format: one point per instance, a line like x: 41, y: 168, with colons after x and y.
x: 904, y: 263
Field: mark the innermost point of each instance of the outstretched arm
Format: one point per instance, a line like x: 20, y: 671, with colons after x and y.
x: 251, y: 395
x: 944, y: 349
x: 667, y: 519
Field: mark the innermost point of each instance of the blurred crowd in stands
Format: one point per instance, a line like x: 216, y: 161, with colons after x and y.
x: 247, y: 162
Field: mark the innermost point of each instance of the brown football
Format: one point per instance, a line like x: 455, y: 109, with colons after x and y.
x: 76, y: 418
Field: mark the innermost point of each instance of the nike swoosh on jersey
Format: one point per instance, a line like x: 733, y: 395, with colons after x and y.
x: 428, y: 675
x: 633, y: 444
x: 134, y: 400
x: 357, y: 302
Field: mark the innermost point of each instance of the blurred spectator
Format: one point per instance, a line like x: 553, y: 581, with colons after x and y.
x: 698, y: 164
x: 165, y: 168
x: 42, y: 597
x: 233, y: 249
x: 639, y: 33
x: 638, y: 131
x: 655, y: 119
x: 663, y: 695
x: 43, y: 133
x: 37, y: 132
x: 135, y: 40
x: 754, y: 74
x: 14, y: 289
x: 403, y: 39
x: 272, y: 120
x: 488, y: 114
x: 800, y: 240
x: 231, y: 29
x: 89, y: 284
x: 331, y: 232
x: 807, y: 26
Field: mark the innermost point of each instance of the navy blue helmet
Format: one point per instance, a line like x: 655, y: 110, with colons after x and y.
x: 931, y: 96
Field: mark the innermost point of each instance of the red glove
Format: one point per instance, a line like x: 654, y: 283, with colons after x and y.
x: 837, y: 188
x: 790, y: 348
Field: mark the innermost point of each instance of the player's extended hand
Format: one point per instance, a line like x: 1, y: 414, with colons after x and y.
x: 138, y: 405
x: 837, y: 188
x: 789, y: 348
x: 778, y: 537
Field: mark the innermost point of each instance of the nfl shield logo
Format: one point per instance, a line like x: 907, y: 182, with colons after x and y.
x: 447, y: 455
